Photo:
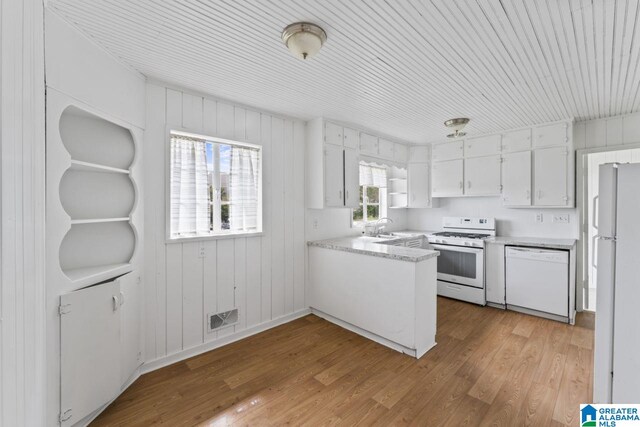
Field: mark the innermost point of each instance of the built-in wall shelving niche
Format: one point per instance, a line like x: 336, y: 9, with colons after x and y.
x: 397, y: 187
x: 98, y: 195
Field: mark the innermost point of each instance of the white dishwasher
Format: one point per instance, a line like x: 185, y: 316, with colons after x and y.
x: 537, y: 279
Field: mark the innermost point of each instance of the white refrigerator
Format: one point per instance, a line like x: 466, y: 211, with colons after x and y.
x: 617, y: 336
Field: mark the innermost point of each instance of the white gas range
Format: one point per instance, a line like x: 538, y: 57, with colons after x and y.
x: 461, y: 260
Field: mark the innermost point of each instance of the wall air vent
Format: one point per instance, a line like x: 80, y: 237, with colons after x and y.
x: 222, y: 320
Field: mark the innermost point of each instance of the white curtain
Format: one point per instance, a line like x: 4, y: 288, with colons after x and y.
x: 373, y: 175
x: 244, y: 188
x: 189, y: 198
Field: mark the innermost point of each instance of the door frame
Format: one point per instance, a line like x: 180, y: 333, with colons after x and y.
x: 582, y: 203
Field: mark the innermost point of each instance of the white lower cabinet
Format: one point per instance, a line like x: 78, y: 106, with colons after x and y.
x: 482, y: 176
x: 551, y: 176
x: 418, y: 188
x: 131, y: 332
x: 90, y: 350
x: 516, y: 179
x: 100, y: 345
x: 494, y: 280
x: 447, y: 178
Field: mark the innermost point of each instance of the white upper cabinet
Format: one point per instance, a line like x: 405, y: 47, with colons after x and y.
x: 447, y: 151
x: 552, y: 135
x: 551, y: 172
x: 385, y: 149
x: 517, y: 140
x: 419, y: 154
x: 368, y: 144
x: 333, y: 176
x: 350, y: 138
x: 400, y: 152
x: 447, y: 178
x: 482, y: 146
x: 333, y: 134
x: 351, y: 179
x: 418, y: 185
x: 482, y: 176
x: 516, y: 179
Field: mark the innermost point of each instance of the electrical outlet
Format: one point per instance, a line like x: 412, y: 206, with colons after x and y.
x: 202, y: 253
x: 561, y: 218
x: 315, y: 223
x: 539, y: 218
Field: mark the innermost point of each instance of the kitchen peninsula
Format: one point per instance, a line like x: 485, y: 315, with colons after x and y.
x: 379, y: 288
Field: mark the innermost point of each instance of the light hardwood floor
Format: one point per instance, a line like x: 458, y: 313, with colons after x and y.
x: 490, y: 367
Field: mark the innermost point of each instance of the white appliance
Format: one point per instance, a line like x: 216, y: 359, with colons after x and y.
x: 617, y: 337
x: 461, y: 260
x: 537, y: 281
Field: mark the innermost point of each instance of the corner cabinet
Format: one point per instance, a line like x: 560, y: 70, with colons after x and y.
x: 94, y: 255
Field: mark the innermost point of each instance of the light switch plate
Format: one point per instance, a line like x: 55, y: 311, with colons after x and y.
x: 561, y: 218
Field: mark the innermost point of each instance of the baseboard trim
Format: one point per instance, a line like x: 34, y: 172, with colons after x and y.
x: 212, y: 345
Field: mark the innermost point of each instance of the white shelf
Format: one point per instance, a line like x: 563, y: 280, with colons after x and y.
x: 397, y: 179
x: 397, y: 193
x: 79, y: 165
x: 90, y: 274
x: 397, y: 207
x: 98, y: 220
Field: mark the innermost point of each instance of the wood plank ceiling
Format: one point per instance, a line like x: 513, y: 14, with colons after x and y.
x: 397, y: 67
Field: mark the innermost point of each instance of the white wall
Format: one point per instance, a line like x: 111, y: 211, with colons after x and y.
x: 262, y: 276
x: 22, y: 145
x: 509, y: 222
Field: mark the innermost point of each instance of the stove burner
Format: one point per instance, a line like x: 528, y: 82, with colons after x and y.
x: 462, y: 235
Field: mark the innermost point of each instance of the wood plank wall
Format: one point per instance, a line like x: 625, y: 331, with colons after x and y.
x: 262, y: 276
x: 22, y: 214
x: 607, y: 132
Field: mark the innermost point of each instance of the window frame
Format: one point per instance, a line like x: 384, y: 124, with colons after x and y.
x: 167, y: 187
x: 381, y: 197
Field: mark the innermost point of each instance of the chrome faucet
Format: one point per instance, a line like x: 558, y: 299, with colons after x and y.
x: 378, y: 227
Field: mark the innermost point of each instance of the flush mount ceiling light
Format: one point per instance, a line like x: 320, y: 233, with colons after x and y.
x: 303, y: 39
x: 457, y: 125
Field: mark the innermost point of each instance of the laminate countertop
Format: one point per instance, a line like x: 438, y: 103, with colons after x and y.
x: 375, y: 246
x: 539, y: 242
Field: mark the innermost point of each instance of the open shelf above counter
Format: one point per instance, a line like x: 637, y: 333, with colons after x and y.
x: 79, y: 165
x: 98, y: 220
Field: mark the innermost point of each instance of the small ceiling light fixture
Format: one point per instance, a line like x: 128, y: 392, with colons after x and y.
x: 457, y: 125
x: 303, y: 39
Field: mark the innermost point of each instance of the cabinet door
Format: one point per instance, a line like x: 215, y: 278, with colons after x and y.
x: 494, y: 255
x: 482, y: 176
x: 518, y: 140
x: 89, y: 349
x: 418, y: 178
x: 482, y: 146
x: 419, y: 153
x: 350, y: 138
x: 447, y: 179
x: 333, y: 134
x: 550, y: 177
x: 551, y: 135
x: 351, y: 179
x: 333, y: 176
x: 385, y: 149
x: 400, y: 153
x: 516, y: 179
x: 448, y: 151
x: 130, y: 310
x: 368, y: 144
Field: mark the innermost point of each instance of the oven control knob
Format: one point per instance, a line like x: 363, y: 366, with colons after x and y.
x: 467, y: 244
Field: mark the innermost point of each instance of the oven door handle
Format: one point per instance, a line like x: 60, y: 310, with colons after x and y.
x: 458, y: 248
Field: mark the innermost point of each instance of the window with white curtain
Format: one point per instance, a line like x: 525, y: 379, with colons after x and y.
x: 373, y: 194
x: 215, y: 186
